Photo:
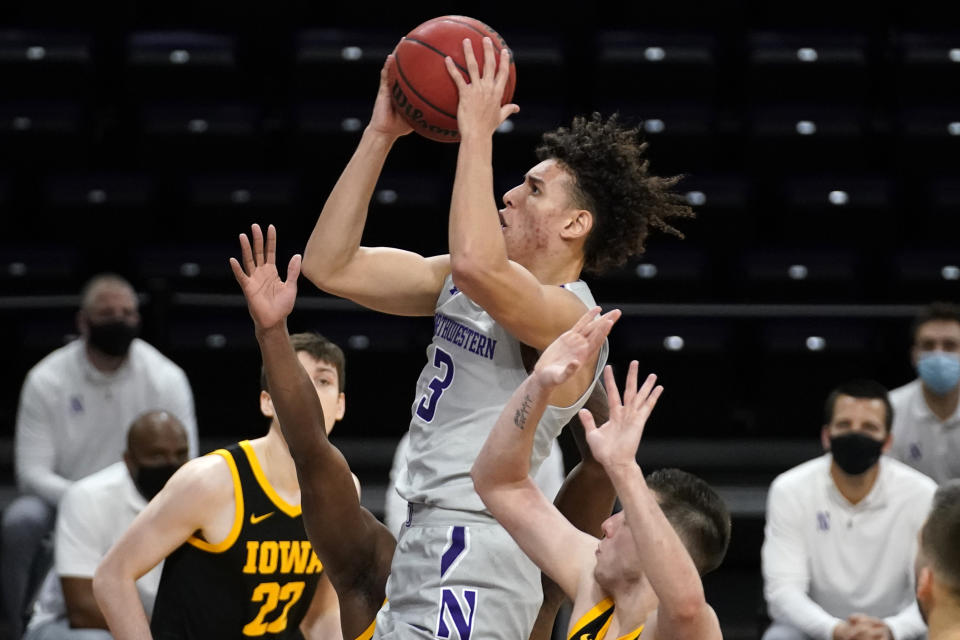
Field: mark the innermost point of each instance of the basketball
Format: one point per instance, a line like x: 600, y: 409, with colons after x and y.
x: 423, y: 92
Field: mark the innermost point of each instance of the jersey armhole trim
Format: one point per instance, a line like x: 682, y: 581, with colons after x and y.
x: 368, y: 632
x: 592, y: 615
x: 227, y: 542
x: 291, y: 510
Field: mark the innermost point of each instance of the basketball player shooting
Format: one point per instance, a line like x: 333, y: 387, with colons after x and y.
x: 508, y: 288
x: 642, y: 579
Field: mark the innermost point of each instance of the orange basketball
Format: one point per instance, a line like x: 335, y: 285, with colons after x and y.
x: 423, y: 92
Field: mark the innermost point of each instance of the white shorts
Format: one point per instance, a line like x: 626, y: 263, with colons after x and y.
x: 458, y: 575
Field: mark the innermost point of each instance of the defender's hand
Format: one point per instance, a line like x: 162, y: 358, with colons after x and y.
x: 269, y: 299
x: 616, y: 442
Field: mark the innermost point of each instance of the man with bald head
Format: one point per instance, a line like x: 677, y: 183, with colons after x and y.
x: 938, y: 565
x: 75, y: 407
x: 93, y: 514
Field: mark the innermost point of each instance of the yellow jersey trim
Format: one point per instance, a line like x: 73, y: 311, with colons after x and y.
x: 291, y: 510
x: 602, y: 607
x: 591, y: 615
x: 368, y: 632
x: 203, y: 545
x: 633, y: 635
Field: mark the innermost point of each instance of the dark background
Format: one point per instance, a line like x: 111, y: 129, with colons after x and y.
x: 826, y: 187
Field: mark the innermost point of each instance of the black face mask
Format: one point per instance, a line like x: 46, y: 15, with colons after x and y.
x: 855, y: 452
x: 113, y: 338
x: 150, y: 480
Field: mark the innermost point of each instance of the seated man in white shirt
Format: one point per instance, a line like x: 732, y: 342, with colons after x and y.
x: 841, y: 531
x: 95, y: 511
x: 75, y: 407
x: 938, y: 565
x: 926, y: 424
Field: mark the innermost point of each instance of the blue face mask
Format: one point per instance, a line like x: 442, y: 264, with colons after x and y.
x: 939, y: 371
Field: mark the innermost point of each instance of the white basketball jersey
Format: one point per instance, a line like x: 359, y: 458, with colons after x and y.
x: 473, y: 367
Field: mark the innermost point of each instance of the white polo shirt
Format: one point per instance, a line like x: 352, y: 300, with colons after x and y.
x: 73, y: 419
x: 824, y: 559
x: 93, y: 514
x: 921, y: 439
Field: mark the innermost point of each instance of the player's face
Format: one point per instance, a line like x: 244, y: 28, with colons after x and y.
x: 325, y: 380
x: 616, y: 552
x: 533, y: 212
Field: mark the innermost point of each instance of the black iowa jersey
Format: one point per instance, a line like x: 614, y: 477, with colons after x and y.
x: 257, y: 583
x: 593, y: 625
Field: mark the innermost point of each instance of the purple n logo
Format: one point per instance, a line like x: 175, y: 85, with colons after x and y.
x: 460, y: 616
x: 823, y: 520
x: 456, y: 548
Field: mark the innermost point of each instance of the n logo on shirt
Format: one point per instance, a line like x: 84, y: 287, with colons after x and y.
x: 823, y: 520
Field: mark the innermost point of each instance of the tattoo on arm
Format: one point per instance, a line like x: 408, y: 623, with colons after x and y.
x: 520, y: 418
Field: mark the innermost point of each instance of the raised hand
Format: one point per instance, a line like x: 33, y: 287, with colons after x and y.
x: 479, y: 110
x: 385, y: 118
x: 573, y: 348
x: 269, y: 299
x: 616, y: 442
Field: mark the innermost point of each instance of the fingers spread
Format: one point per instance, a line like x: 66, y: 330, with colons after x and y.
x: 471, y: 60
x: 613, y: 394
x: 454, y: 72
x: 293, y: 269
x: 586, y: 419
x: 489, y: 59
x: 271, y: 256
x: 246, y: 254
x: 257, y: 244
x: 237, y: 271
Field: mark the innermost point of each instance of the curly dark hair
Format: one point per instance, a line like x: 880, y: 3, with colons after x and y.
x: 611, y: 180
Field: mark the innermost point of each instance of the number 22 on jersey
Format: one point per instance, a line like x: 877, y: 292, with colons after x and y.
x: 427, y: 407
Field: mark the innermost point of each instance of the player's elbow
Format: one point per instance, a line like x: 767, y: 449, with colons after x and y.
x: 687, y: 610
x: 315, y: 269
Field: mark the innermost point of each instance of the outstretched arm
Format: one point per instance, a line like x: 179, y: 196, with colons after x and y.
x: 355, y: 553
x: 585, y: 499
x: 535, y: 313
x: 501, y: 470
x: 683, y: 611
x: 385, y: 279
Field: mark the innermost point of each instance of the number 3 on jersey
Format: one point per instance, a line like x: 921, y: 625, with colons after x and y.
x: 427, y: 406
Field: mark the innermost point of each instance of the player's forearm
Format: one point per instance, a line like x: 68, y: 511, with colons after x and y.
x: 120, y: 604
x: 587, y: 495
x: 666, y: 562
x: 294, y: 397
x: 505, y: 456
x: 339, y: 229
x: 476, y: 239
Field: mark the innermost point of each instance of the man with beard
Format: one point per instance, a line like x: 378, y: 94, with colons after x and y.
x: 75, y: 407
x: 93, y: 514
x: 841, y: 530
